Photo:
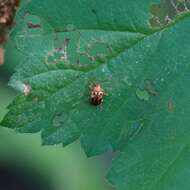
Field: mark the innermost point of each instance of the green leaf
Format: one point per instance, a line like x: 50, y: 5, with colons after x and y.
x: 142, y: 66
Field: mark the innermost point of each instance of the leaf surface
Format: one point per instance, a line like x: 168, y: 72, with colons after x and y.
x: 68, y: 45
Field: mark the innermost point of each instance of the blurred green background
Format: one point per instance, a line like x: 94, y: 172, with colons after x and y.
x: 26, y: 165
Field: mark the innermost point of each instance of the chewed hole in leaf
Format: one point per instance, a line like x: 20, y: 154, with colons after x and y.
x: 58, y: 54
x: 165, y: 12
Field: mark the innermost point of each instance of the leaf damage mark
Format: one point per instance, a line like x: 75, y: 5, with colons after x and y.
x: 65, y: 46
x: 170, y: 106
x: 142, y: 94
x: 81, y: 50
x: 95, y: 50
x: 58, y: 54
x: 26, y: 89
x: 33, y: 26
x: 165, y: 12
x: 136, y: 129
x: 147, y: 91
x: 149, y: 87
x: 84, y: 52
